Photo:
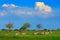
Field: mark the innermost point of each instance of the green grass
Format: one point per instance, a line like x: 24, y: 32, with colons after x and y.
x: 29, y: 36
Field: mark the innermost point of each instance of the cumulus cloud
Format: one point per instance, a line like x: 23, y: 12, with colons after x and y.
x: 42, y: 6
x: 41, y: 10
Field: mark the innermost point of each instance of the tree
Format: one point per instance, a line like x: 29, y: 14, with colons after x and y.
x: 9, y: 26
x: 16, y: 30
x: 45, y: 29
x: 39, y: 26
x: 25, y: 26
x: 3, y: 29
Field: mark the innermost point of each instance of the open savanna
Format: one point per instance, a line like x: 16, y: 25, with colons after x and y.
x: 11, y: 35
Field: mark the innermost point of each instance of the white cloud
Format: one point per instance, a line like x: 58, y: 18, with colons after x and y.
x: 47, y: 9
x: 41, y: 10
x: 9, y: 5
x: 12, y: 5
x: 41, y: 6
x: 5, y: 5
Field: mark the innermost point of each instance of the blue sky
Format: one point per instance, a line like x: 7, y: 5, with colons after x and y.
x: 18, y: 12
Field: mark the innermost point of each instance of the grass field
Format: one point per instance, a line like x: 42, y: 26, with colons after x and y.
x: 29, y: 36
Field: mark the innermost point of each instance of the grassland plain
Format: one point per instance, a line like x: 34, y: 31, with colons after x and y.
x: 11, y: 36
